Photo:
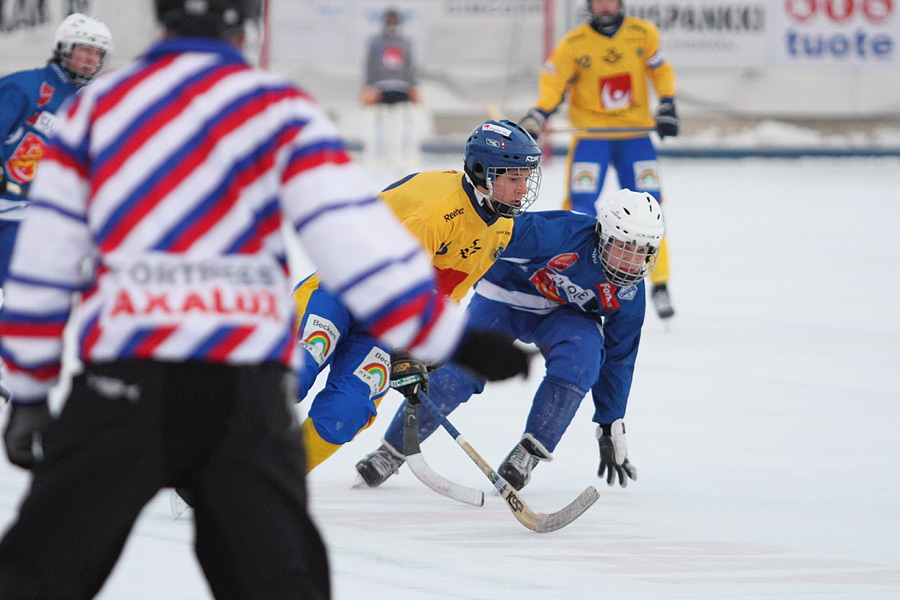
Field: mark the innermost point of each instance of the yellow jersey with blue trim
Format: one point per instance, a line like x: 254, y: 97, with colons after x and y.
x: 605, y: 78
x: 441, y: 210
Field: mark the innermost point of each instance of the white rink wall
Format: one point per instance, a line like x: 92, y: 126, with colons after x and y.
x: 809, y: 62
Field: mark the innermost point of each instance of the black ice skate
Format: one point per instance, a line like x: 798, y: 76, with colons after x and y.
x: 516, y: 468
x: 661, y: 301
x: 377, y: 466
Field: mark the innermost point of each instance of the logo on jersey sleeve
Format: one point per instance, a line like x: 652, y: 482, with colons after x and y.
x: 616, y: 92
x: 585, y: 177
x: 24, y: 159
x: 374, y: 371
x: 319, y: 338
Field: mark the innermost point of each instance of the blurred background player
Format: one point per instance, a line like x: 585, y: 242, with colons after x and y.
x: 172, y: 178
x: 28, y: 103
x: 572, y: 285
x: 603, y: 67
x: 464, y: 220
x: 388, y: 95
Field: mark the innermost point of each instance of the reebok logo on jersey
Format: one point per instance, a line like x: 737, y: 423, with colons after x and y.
x: 452, y: 215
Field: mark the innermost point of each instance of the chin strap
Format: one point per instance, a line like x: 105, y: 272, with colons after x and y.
x: 483, y: 199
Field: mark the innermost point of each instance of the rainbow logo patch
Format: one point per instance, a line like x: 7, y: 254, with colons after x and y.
x: 379, y: 373
x: 320, y: 340
x: 374, y: 370
x: 645, y: 176
x: 585, y: 177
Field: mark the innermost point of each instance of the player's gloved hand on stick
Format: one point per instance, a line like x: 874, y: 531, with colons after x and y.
x: 614, y: 454
x: 409, y: 375
x: 24, y: 433
x: 666, y: 119
x: 492, y: 356
x: 533, y: 122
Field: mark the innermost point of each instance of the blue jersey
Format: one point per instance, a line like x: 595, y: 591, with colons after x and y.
x: 551, y: 262
x: 28, y: 102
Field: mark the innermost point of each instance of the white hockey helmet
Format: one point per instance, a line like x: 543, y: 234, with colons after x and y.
x: 81, y: 30
x: 629, y: 231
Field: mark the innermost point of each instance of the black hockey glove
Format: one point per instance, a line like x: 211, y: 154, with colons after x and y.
x: 614, y: 454
x: 492, y: 356
x: 24, y: 433
x: 533, y: 122
x: 666, y: 119
x: 409, y: 375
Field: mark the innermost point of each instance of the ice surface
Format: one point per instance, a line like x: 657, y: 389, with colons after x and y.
x: 763, y: 419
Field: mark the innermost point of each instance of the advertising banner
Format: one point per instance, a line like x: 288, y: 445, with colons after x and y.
x: 704, y: 33
x: 836, y: 32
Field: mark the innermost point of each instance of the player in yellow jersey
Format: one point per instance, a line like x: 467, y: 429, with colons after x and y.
x: 603, y: 66
x: 464, y: 220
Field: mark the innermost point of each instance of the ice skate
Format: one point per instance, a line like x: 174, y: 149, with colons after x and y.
x: 659, y: 294
x: 377, y: 466
x: 517, y: 466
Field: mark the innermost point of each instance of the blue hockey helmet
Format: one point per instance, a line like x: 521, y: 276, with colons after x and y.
x: 503, y: 159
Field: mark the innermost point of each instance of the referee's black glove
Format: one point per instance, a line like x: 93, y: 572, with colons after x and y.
x: 24, y: 433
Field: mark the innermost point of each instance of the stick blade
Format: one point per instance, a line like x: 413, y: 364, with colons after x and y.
x: 553, y: 521
x: 441, y: 484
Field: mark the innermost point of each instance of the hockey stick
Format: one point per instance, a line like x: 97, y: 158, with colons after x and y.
x: 600, y: 130
x: 422, y: 469
x: 539, y: 522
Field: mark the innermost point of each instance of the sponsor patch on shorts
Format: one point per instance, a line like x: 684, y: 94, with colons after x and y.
x: 646, y: 178
x: 319, y: 338
x: 585, y: 176
x: 375, y: 370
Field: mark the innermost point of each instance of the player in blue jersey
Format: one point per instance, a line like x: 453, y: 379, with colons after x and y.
x: 28, y: 101
x: 572, y: 285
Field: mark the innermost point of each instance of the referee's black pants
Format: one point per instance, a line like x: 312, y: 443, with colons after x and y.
x: 228, y: 434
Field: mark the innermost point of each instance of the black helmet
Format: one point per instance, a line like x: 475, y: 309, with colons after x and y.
x: 207, y: 18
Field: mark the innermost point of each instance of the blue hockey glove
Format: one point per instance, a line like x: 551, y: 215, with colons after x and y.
x: 666, y: 119
x: 533, y: 122
x: 614, y: 454
x: 409, y: 375
x: 24, y: 433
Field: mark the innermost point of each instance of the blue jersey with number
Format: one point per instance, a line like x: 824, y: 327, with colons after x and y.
x: 28, y: 102
x: 551, y: 262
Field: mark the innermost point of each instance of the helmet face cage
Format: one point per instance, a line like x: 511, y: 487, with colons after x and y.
x: 626, y: 263
x: 515, y: 191
x: 629, y: 232
x: 87, y: 32
x: 504, y: 159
